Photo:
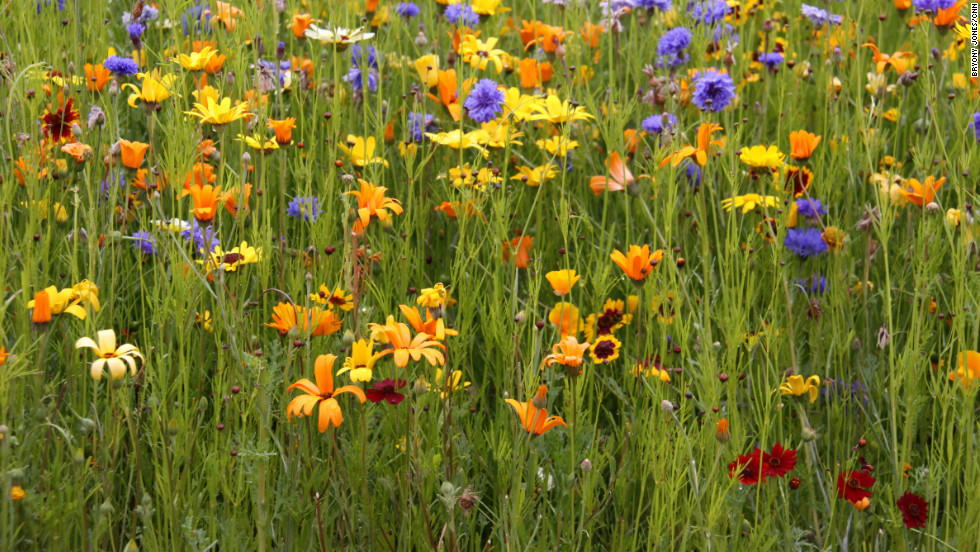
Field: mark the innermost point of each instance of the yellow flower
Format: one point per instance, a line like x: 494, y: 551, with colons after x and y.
x: 748, y: 202
x: 70, y: 300
x: 562, y: 281
x: 197, y: 61
x: 556, y: 111
x: 428, y: 70
x: 557, y: 145
x: 259, y: 143
x: 465, y: 177
x: 535, y: 176
x: 762, y: 157
x: 517, y: 105
x: 651, y: 370
x: 566, y: 317
x: 568, y: 352
x: 479, y: 53
x: 153, y: 89
x: 361, y: 361
x: 433, y: 297
x: 403, y: 345
x: 204, y: 320
x: 605, y: 349
x: 217, y: 113
x: 797, y: 386
x: 230, y: 261
x: 457, y: 139
x: 496, y: 134
x: 448, y: 383
x: 336, y: 298
x: 17, y: 492
x: 361, y: 151
x: 488, y: 7
x: 116, y: 359
x: 967, y: 368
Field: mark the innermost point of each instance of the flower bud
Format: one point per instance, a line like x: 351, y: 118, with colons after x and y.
x: 586, y: 466
x: 808, y: 434
x: 721, y: 431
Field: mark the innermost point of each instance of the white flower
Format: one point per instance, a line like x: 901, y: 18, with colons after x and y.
x: 338, y: 36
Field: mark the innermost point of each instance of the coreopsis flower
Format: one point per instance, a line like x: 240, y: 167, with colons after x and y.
x: 534, y: 419
x: 651, y: 367
x: 361, y: 151
x: 900, y: 61
x: 620, y: 178
x: 338, y: 37
x: 566, y: 317
x: 568, y: 352
x: 197, y: 61
x: 535, y: 176
x: 854, y: 486
x: 802, y: 144
x: 778, y: 462
x: 336, y: 298
x: 762, y: 157
x: 386, y: 390
x: 115, y: 359
x: 404, y: 346
x: 58, y: 122
x: 921, y: 193
x: 153, y: 88
x: 791, y: 178
x: 748, y: 468
x: 605, y: 349
x: 283, y: 129
x: 433, y: 297
x: 967, y: 368
x: 231, y: 261
x: 915, y: 510
x: 204, y: 320
x: 638, y: 262
x: 748, y: 202
x: 322, y: 394
x: 611, y: 317
x: 132, y: 153
x: 557, y: 111
x: 206, y: 201
x: 795, y: 385
x: 218, y: 113
x: 478, y: 53
x: 360, y: 364
x: 372, y: 203
x: 562, y: 281
x: 435, y: 327
x: 314, y: 322
x: 520, y: 247
x: 700, y: 152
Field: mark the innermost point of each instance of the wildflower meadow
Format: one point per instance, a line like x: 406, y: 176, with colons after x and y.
x: 515, y: 275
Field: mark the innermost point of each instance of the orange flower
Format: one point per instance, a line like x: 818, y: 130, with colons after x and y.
x: 568, y: 352
x: 321, y: 394
x: 404, y: 346
x: 286, y: 317
x: 227, y: 14
x: 621, y: 179
x: 562, y: 281
x: 922, y: 193
x: 231, y: 197
x: 699, y: 153
x: 132, y: 153
x: 3, y: 355
x: 283, y: 129
x: 447, y: 93
x: 721, y: 431
x: 948, y: 18
x: 522, y: 245
x: 206, y: 199
x: 200, y: 174
x: 902, y: 5
x: 79, y: 151
x: 968, y: 368
x: 565, y: 316
x: 802, y: 144
x: 372, y: 203
x: 546, y: 37
x: 632, y: 139
x: 96, y: 77
x: 535, y: 420
x: 901, y: 61
x: 42, y: 308
x: 301, y: 22
x: 435, y: 327
x: 638, y: 261
x: 591, y: 33
x: 529, y: 73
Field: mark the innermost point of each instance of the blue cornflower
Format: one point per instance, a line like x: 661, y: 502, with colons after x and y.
x: 355, y: 74
x: 655, y: 123
x: 708, y: 11
x: 304, y: 207
x: 196, y: 20
x: 145, y: 242
x: 121, y: 66
x: 671, y: 47
x: 462, y: 14
x: 205, y: 238
x: 819, y: 16
x: 135, y: 30
x: 814, y: 285
x: 418, y: 125
x: 810, y: 208
x: 662, y: 5
x: 933, y: 5
x: 483, y: 103
x: 771, y: 60
x: 407, y: 10
x: 805, y: 242
x: 722, y: 30
x: 61, y: 5
x: 693, y: 174
x: 713, y: 90
x: 844, y: 392
x: 976, y: 125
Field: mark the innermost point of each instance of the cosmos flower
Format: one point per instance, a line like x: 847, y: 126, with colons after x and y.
x: 484, y: 102
x: 322, y: 394
x: 921, y: 193
x: 900, y: 61
x: 713, y: 90
x: 337, y: 298
x: 115, y: 359
x: 288, y: 318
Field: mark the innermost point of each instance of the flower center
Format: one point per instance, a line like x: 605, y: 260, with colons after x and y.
x: 605, y: 349
x: 231, y: 258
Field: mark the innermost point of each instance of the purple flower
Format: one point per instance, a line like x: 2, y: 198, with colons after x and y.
x: 407, y: 10
x: 708, y: 11
x: 195, y: 21
x: 713, y: 91
x: 693, y: 174
x: 655, y: 123
x: 671, y: 47
x: 462, y: 14
x: 771, y: 60
x: 483, y: 103
x: 662, y: 5
x: 837, y: 389
x: 418, y: 124
x: 135, y: 30
x: 145, y: 242
x: 304, y: 207
x: 814, y: 285
x: 810, y: 208
x: 355, y: 74
x: 205, y: 239
x: 933, y: 5
x: 976, y: 125
x: 805, y: 242
x: 819, y: 16
x: 121, y: 66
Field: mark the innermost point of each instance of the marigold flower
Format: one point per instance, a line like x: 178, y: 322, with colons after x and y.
x: 301, y: 22
x: 206, y: 200
x: 435, y: 327
x: 283, y: 130
x: 96, y: 77
x: 78, y: 151
x: 520, y: 247
x: 566, y: 317
x: 115, y: 359
x: 921, y: 193
x: 802, y: 144
x: 322, y: 394
x: 638, y: 262
x: 621, y: 177
x: 231, y: 261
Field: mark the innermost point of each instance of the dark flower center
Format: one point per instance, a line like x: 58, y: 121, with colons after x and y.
x: 609, y: 319
x: 914, y: 509
x: 853, y: 483
x: 605, y: 349
x: 231, y: 258
x: 774, y: 461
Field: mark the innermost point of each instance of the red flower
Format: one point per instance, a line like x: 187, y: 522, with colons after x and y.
x: 853, y: 487
x: 386, y: 390
x: 748, y: 468
x: 57, y: 125
x: 779, y: 462
x: 915, y: 510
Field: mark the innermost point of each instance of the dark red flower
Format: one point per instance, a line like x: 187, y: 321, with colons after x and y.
x: 57, y: 125
x: 748, y: 468
x: 854, y: 486
x: 779, y: 462
x: 386, y: 390
x: 915, y: 510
